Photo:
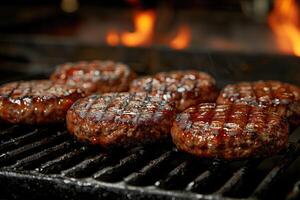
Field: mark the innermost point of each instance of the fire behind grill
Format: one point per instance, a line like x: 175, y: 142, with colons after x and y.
x: 43, y: 162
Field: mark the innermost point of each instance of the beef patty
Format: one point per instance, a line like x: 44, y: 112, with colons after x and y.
x: 95, y: 76
x: 120, y: 119
x: 185, y: 88
x: 283, y: 97
x: 36, y: 102
x: 229, y: 131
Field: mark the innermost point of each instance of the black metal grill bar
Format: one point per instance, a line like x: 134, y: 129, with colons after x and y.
x: 9, y: 132
x: 51, y: 152
x: 30, y: 148
x: 149, y: 170
x: 175, y: 177
x: 269, y: 180
x: 64, y: 161
x: 239, y: 178
x: 207, y: 177
x: 18, y: 141
x: 44, y: 155
x: 262, y: 189
x: 192, y: 186
x: 86, y: 167
x: 125, y: 164
x: 295, y: 194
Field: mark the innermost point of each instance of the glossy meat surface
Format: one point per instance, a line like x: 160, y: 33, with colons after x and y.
x: 184, y: 88
x: 229, y: 131
x: 120, y: 119
x: 274, y: 94
x: 36, y: 102
x: 95, y: 76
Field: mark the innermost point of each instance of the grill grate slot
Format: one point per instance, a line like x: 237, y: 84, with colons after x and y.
x: 54, y: 153
x: 88, y: 166
x: 65, y: 161
x: 295, y: 194
x: 146, y: 175
x: 11, y: 156
x: 211, y: 179
x: 235, y: 186
x: 265, y: 186
x: 21, y: 140
x: 180, y: 176
x: 38, y: 158
x: 10, y: 132
x: 125, y: 165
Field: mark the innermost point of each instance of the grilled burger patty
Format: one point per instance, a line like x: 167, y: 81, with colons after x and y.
x: 120, y: 119
x: 95, y: 76
x: 283, y: 97
x: 185, y: 88
x: 36, y: 102
x: 229, y: 131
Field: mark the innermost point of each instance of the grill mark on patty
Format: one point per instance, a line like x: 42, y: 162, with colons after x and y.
x: 149, y: 86
x: 90, y: 105
x: 161, y: 104
x: 180, y: 85
x: 265, y: 93
x: 29, y: 91
x: 95, y: 76
x: 127, y: 102
x: 205, y: 119
x: 123, y: 106
x: 276, y: 95
x: 249, y: 111
x: 136, y: 126
x: 271, y: 93
x: 246, y: 131
x: 288, y: 91
x: 146, y: 100
x: 111, y: 100
x: 13, y: 90
x: 224, y: 132
x: 265, y: 119
x: 253, y: 90
x: 214, y: 118
x: 30, y: 102
x: 26, y: 91
x: 49, y: 87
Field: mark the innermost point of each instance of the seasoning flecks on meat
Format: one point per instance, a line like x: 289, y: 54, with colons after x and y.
x: 121, y: 119
x: 283, y: 97
x: 95, y: 76
x: 184, y: 88
x: 229, y: 131
x: 36, y: 102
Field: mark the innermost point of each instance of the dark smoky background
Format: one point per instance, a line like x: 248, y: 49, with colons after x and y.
x: 233, y: 40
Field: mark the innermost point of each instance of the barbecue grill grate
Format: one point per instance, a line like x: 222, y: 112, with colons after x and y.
x: 47, y: 162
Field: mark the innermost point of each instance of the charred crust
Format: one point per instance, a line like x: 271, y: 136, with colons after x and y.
x: 121, y: 119
x: 185, y: 88
x: 36, y: 102
x: 230, y: 131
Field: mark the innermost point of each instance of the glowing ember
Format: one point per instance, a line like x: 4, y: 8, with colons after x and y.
x: 284, y: 21
x: 182, y: 39
x: 112, y: 38
x: 144, y: 26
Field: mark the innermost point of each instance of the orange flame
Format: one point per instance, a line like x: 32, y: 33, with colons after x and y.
x: 284, y: 22
x: 112, y: 38
x: 144, y: 27
x: 182, y: 39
